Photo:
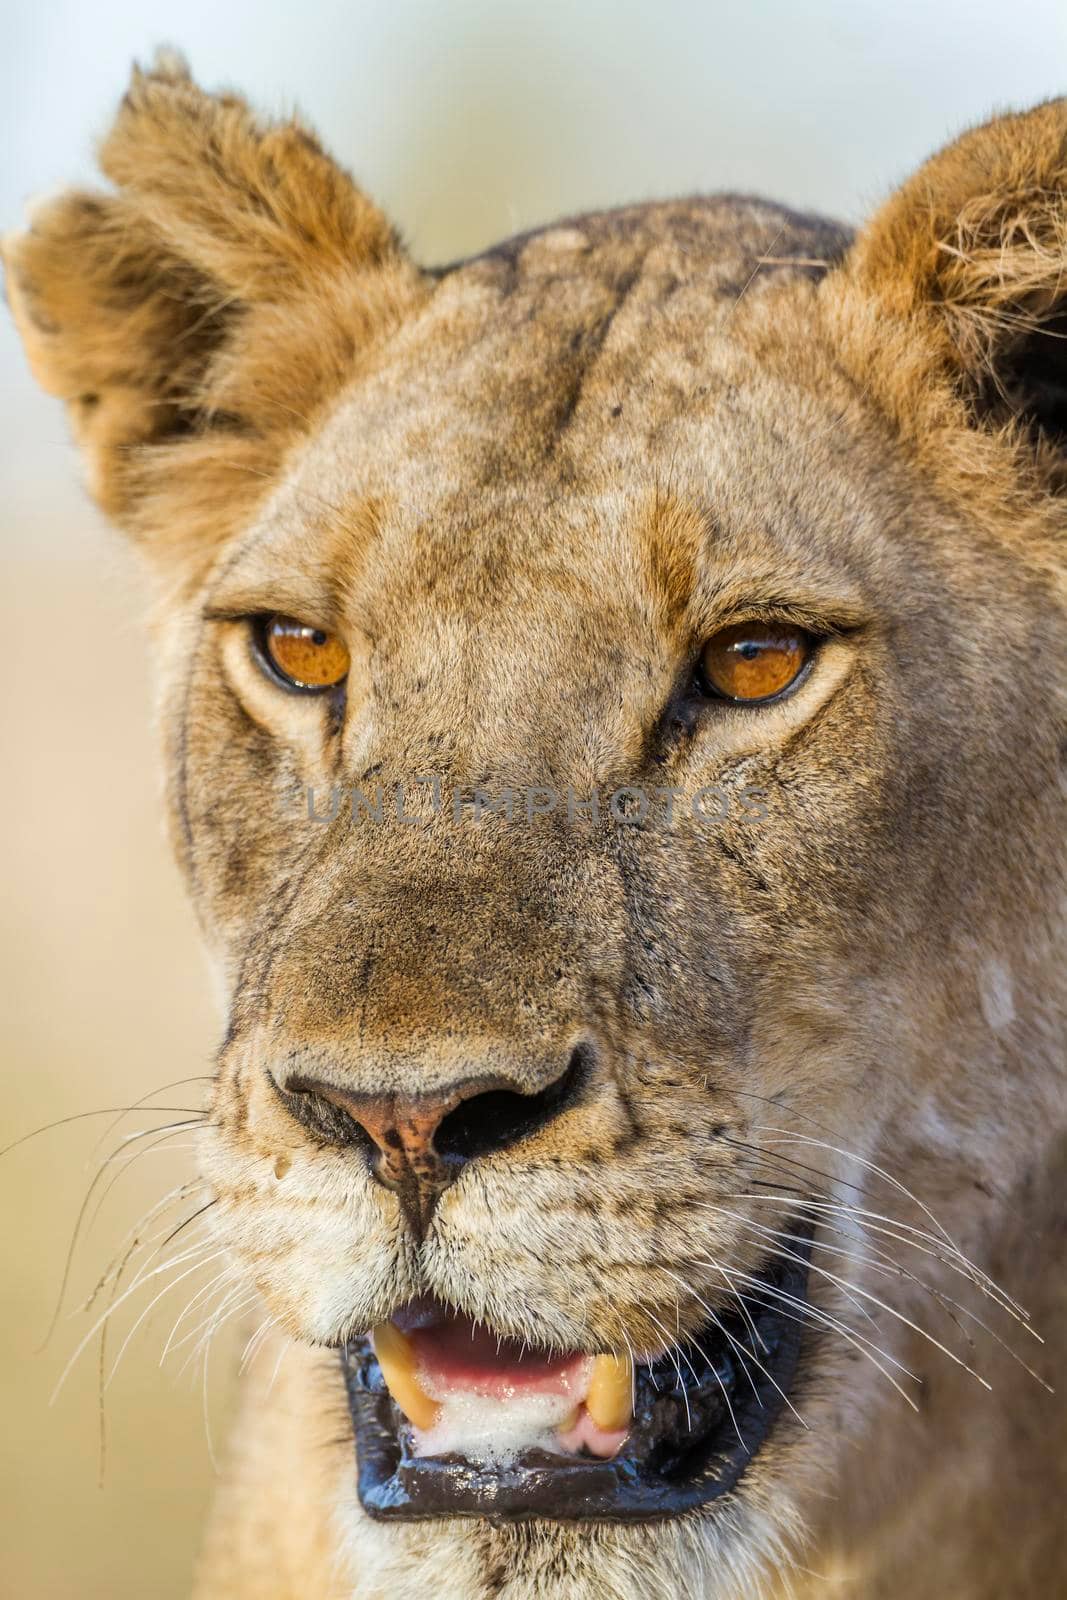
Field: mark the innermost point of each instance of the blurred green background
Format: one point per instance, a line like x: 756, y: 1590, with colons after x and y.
x: 469, y: 120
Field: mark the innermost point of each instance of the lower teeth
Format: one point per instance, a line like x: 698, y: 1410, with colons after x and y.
x: 492, y: 1429
x: 495, y: 1432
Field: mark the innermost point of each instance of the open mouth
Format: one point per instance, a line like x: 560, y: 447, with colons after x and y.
x: 452, y: 1421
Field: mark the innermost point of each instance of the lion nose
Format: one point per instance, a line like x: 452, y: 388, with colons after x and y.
x: 418, y: 1144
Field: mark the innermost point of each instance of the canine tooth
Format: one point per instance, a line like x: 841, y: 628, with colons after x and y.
x: 610, y: 1398
x: 397, y: 1361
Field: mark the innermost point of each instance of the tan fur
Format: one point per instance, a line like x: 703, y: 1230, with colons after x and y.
x: 525, y: 489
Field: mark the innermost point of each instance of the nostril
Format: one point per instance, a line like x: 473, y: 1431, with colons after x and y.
x: 501, y: 1117
x: 323, y: 1114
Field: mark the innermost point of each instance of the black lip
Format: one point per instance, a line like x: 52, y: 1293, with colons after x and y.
x: 692, y: 1438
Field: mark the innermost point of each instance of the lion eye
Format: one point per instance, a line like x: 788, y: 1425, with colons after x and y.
x: 303, y: 657
x: 753, y: 661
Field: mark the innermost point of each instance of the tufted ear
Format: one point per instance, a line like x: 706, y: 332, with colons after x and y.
x: 964, y: 277
x: 195, y: 318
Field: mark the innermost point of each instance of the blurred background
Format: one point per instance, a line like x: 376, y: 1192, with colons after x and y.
x: 469, y: 120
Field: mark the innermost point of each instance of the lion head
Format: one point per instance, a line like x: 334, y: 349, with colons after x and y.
x: 612, y: 696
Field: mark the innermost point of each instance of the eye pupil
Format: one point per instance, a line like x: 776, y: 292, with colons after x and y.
x: 302, y: 656
x: 753, y: 661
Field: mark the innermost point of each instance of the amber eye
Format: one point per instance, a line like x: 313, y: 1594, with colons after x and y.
x: 303, y: 657
x: 753, y: 661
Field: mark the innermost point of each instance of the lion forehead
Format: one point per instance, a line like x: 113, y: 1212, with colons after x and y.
x: 564, y: 350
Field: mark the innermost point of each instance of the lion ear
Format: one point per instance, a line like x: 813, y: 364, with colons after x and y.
x: 970, y: 257
x: 195, y: 318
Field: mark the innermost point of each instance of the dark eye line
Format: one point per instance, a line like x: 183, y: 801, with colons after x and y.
x: 692, y: 700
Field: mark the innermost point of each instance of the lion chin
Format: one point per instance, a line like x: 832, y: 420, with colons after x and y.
x: 613, y: 704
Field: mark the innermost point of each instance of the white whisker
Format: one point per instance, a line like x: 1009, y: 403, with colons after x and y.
x: 166, y: 1266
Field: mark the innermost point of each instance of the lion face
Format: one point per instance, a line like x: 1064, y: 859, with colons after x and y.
x: 612, y: 746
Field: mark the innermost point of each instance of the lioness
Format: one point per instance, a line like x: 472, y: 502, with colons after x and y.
x: 613, y: 700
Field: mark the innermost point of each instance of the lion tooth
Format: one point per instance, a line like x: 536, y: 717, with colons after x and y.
x: 610, y: 1398
x: 397, y: 1361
